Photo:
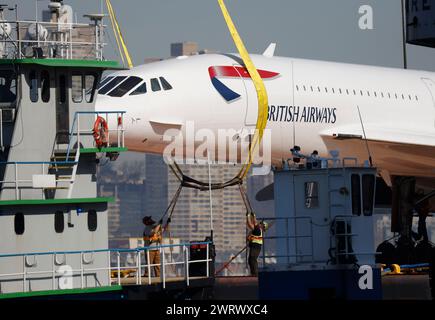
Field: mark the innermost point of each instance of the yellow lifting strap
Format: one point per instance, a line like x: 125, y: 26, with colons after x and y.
x: 259, y: 87
x: 122, y: 47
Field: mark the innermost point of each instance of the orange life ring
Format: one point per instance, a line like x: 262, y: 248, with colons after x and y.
x: 100, y: 132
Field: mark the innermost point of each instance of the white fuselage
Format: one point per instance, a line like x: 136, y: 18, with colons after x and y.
x: 310, y: 104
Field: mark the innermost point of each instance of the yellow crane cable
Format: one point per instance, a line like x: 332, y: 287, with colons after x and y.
x: 118, y: 35
x: 259, y: 87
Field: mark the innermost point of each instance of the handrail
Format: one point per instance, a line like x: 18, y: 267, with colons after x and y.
x: 83, y: 271
x: 76, y: 120
x: 105, y: 250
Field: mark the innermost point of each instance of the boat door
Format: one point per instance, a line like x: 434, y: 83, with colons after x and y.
x: 250, y: 97
x: 430, y: 84
x: 312, y: 217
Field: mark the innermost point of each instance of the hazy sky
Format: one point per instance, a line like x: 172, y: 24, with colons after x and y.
x: 319, y: 29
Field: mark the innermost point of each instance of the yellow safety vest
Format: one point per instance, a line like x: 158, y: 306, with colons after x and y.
x: 256, y: 239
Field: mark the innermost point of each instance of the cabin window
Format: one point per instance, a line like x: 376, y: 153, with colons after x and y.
x: 33, y: 86
x: 155, y: 85
x: 59, y: 222
x: 368, y: 186
x: 104, y: 82
x: 305, y: 88
x: 140, y: 90
x: 376, y: 95
x: 312, y: 90
x: 409, y: 96
x: 112, y: 84
x: 8, y: 86
x: 92, y: 220
x: 339, y: 90
x: 311, y: 195
x: 368, y: 93
x: 326, y: 89
x: 125, y: 87
x: 361, y: 93
x: 77, y: 88
x: 165, y: 84
x: 45, y: 86
x: 333, y: 90
x: 297, y: 88
x: 416, y: 98
x: 90, y: 87
x: 318, y: 89
x: 382, y: 94
x: 19, y: 223
x: 356, y: 194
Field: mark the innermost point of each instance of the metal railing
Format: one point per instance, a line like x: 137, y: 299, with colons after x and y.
x: 77, y: 131
x: 88, y: 267
x: 19, y: 184
x: 55, y: 40
x: 21, y: 181
x: 286, y: 237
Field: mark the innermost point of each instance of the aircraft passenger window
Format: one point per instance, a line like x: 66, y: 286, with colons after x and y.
x: 356, y: 195
x: 125, y: 87
x: 318, y: 88
x: 354, y: 92
x: 376, y: 95
x: 165, y: 84
x: 409, y: 97
x: 33, y: 86
x: 297, y: 88
x: 361, y: 93
x: 312, y: 90
x: 333, y: 91
x: 104, y: 82
x: 305, y: 89
x: 326, y: 89
x: 368, y: 93
x: 347, y: 91
x: 339, y: 90
x: 403, y: 96
x: 395, y: 95
x: 8, y: 86
x: 389, y: 95
x: 416, y: 98
x: 45, y: 86
x: 140, y: 90
x: 77, y: 88
x: 382, y: 94
x: 311, y: 195
x: 112, y: 84
x: 90, y: 87
x: 368, y: 188
x: 155, y: 85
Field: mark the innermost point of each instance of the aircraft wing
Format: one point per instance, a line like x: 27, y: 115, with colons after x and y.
x: 408, y: 153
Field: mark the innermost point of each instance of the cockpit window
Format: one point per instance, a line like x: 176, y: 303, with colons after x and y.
x: 165, y: 84
x: 125, y: 87
x: 104, y: 82
x: 140, y: 90
x: 112, y: 84
x: 155, y: 85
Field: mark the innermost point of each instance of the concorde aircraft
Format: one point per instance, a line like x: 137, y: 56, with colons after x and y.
x: 358, y: 110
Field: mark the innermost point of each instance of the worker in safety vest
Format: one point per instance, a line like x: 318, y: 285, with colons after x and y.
x: 152, y: 237
x: 255, y: 241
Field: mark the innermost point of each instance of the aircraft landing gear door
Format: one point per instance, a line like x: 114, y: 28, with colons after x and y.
x: 430, y: 84
x: 312, y: 217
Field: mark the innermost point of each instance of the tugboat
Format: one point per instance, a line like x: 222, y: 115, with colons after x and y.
x: 53, y: 226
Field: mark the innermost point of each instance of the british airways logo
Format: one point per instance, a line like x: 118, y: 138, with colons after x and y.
x: 233, y: 72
